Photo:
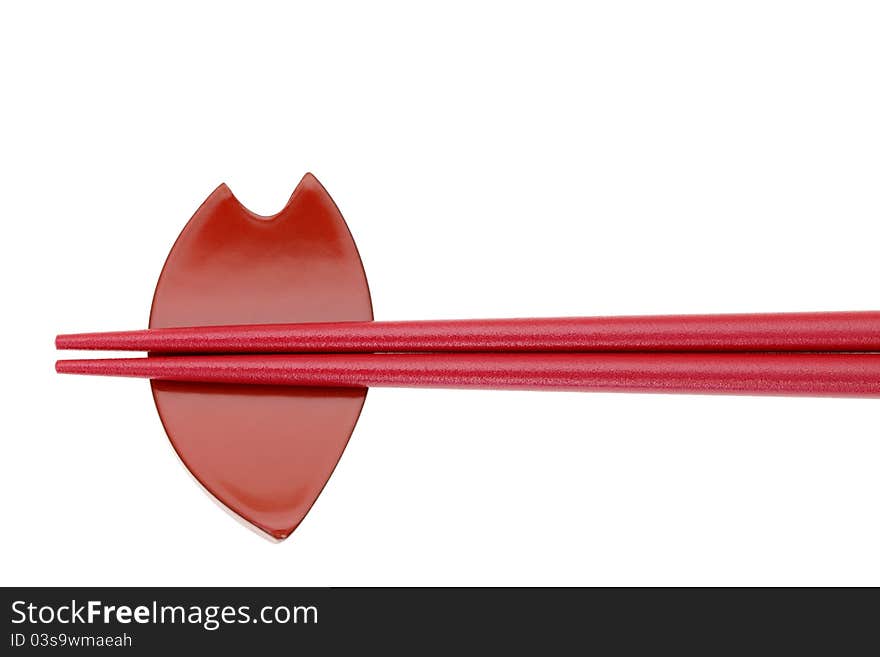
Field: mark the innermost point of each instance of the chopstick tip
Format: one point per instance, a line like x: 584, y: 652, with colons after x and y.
x: 68, y: 341
x: 75, y: 366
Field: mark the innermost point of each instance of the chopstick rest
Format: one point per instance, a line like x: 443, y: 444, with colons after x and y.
x: 261, y: 346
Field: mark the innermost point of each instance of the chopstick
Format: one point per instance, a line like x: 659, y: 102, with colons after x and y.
x: 732, y: 354
x: 823, y: 332
x: 847, y: 375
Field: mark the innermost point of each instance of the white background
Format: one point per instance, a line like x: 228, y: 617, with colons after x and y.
x: 491, y: 160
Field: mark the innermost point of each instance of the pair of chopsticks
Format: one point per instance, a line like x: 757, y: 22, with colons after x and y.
x: 814, y: 354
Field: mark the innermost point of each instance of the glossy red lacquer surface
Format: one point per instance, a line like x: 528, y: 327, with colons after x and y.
x: 263, y: 451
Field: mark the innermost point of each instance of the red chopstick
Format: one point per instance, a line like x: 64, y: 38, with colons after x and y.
x: 848, y: 375
x: 831, y: 331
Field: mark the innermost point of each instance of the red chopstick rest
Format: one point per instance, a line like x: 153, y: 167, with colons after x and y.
x: 264, y: 452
